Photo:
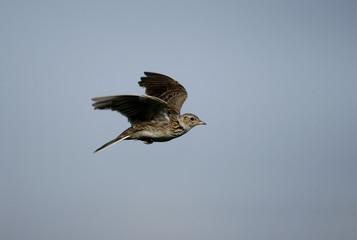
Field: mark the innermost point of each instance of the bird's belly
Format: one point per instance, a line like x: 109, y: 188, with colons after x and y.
x: 155, y: 135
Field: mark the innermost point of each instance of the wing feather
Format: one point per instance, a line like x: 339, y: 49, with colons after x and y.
x: 165, y: 88
x: 137, y: 108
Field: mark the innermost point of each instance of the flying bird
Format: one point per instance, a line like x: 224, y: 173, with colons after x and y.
x: 154, y: 117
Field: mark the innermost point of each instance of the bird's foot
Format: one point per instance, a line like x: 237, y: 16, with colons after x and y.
x: 148, y: 141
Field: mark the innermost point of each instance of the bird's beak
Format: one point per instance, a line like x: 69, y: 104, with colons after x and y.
x: 201, y: 123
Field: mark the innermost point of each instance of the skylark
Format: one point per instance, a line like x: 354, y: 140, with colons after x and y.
x: 154, y: 117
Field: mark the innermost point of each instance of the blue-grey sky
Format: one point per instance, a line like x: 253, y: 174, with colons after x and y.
x: 276, y: 82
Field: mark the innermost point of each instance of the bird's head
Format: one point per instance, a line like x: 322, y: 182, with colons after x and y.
x: 189, y: 121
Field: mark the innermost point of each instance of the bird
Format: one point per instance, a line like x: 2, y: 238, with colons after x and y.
x: 154, y: 117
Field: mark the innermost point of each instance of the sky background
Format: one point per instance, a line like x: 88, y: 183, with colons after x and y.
x: 276, y: 82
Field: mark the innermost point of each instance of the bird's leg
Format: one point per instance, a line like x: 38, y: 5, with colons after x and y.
x: 148, y: 141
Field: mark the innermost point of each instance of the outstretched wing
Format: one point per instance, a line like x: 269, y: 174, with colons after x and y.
x: 165, y: 88
x: 136, y: 108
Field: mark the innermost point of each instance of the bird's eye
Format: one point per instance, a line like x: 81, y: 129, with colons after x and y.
x: 192, y: 119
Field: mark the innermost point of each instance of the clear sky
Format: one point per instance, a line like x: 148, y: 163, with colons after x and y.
x: 276, y: 82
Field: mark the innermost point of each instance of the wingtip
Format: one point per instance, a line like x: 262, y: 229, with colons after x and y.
x: 147, y: 73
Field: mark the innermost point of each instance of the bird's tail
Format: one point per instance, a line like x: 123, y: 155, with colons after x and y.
x: 115, y: 140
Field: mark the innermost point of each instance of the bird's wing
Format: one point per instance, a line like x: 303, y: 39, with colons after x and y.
x: 165, y: 88
x: 136, y: 108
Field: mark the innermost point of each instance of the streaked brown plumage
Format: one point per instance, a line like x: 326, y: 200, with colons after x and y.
x: 154, y: 117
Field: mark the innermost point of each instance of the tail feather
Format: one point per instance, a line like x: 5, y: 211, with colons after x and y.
x: 115, y: 140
